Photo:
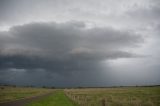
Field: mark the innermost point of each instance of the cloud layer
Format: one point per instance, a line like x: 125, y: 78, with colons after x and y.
x: 54, y: 46
x: 82, y: 42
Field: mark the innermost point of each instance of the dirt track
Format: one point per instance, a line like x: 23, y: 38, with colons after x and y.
x: 23, y: 102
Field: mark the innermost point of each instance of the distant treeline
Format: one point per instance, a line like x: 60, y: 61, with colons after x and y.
x: 112, y: 86
x: 79, y: 87
x: 27, y: 86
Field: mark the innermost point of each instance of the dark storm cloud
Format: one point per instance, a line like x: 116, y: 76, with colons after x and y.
x: 66, y: 46
x: 40, y: 44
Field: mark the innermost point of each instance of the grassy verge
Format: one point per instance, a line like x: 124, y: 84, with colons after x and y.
x: 58, y: 98
x: 14, y: 93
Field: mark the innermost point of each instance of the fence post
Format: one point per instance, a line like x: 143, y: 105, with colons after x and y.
x: 103, y: 102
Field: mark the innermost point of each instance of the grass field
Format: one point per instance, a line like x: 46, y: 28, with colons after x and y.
x: 129, y: 96
x: 58, y: 98
x: 14, y: 93
x: 122, y: 96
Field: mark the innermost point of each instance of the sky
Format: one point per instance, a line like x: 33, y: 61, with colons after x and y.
x: 70, y: 43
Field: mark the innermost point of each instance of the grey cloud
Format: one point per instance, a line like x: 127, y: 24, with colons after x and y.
x: 149, y: 13
x: 84, y: 54
x: 54, y: 46
x: 107, y: 11
x: 103, y: 46
x: 19, y: 11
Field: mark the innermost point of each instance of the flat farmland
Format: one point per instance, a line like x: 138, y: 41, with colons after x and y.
x: 125, y: 96
x: 120, y: 96
x: 8, y: 93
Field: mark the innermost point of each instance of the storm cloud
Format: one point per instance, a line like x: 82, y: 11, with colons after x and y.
x: 79, y: 43
x: 55, y: 46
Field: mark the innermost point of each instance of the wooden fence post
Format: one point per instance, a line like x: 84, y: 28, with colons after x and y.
x: 103, y: 102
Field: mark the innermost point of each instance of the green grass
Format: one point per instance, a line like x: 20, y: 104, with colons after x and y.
x: 123, y: 96
x: 13, y: 93
x: 58, y: 98
x: 129, y: 96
